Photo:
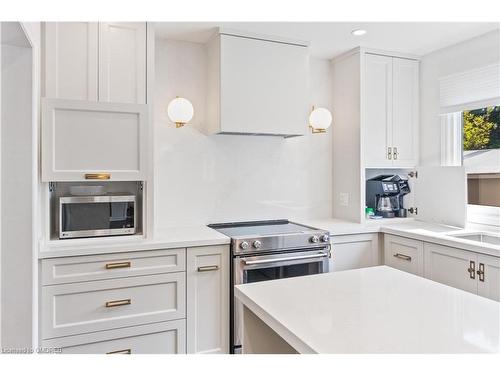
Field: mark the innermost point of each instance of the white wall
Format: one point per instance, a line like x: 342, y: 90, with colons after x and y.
x: 16, y: 197
x: 474, y: 53
x: 204, y: 179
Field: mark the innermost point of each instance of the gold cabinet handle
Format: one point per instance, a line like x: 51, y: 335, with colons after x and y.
x: 124, y: 351
x: 110, y: 266
x: 208, y: 268
x: 395, y: 153
x: 480, y: 272
x: 389, y: 153
x: 472, y: 269
x: 97, y: 176
x: 402, y: 256
x: 120, y: 302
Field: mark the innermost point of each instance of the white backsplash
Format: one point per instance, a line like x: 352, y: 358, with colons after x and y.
x: 205, y: 179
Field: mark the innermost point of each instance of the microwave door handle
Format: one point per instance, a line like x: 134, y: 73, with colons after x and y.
x: 267, y: 261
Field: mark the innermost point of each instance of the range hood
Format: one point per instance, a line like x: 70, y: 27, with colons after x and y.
x: 258, y: 85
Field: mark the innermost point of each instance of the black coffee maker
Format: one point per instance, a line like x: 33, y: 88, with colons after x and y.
x: 385, y: 194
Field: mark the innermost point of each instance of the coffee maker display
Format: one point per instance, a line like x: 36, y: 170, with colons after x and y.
x: 385, y: 194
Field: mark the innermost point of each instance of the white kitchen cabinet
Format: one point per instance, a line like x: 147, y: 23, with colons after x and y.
x: 257, y: 85
x: 354, y: 251
x: 391, y: 104
x: 85, y: 140
x: 404, y: 253
x: 157, y: 338
x: 111, y: 266
x: 208, y: 299
x: 378, y: 111
x: 405, y: 112
x: 451, y: 266
x: 70, y: 64
x: 77, y: 308
x: 122, y: 62
x: 488, y: 284
x: 92, y: 61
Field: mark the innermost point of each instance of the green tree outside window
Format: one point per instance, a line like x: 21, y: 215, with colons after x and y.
x: 481, y: 129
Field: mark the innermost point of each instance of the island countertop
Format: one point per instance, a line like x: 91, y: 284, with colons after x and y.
x: 374, y: 310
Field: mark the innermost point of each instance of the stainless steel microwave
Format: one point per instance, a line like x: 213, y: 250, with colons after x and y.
x: 95, y: 216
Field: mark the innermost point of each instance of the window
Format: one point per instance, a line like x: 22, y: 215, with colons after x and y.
x: 481, y: 159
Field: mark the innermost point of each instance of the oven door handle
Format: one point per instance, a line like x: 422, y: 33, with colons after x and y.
x: 266, y: 261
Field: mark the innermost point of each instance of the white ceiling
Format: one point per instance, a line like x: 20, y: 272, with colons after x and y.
x: 329, y: 39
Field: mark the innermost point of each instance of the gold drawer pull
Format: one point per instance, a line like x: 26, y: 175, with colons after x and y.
x: 208, y: 268
x: 97, y: 176
x: 124, y: 351
x: 402, y: 256
x: 110, y: 266
x: 120, y: 302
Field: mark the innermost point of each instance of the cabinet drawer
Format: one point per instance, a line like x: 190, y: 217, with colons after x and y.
x: 158, y: 338
x: 404, y: 254
x: 71, y: 309
x: 110, y: 266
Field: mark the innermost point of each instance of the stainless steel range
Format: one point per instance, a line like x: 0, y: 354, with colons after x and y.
x: 268, y: 250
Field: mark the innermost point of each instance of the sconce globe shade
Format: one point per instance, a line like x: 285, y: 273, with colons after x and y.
x: 180, y: 110
x: 320, y: 118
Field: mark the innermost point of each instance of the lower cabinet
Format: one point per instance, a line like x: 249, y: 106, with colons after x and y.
x: 466, y: 270
x: 450, y: 266
x: 354, y: 251
x: 158, y: 338
x: 207, y: 271
x: 75, y: 308
x: 404, y: 254
x: 489, y: 278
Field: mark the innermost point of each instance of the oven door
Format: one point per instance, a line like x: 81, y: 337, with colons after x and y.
x: 251, y: 269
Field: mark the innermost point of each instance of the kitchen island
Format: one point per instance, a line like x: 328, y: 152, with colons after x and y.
x: 369, y: 310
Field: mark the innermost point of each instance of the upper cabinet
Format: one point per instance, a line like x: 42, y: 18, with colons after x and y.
x: 92, y: 61
x: 257, y: 85
x: 71, y: 50
x: 390, y: 116
x: 122, y: 62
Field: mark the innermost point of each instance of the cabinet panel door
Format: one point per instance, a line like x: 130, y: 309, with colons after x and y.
x: 377, y: 111
x: 263, y: 86
x: 354, y: 251
x: 71, y: 60
x: 404, y: 254
x: 157, y: 338
x: 208, y: 299
x: 450, y: 266
x: 64, y: 270
x: 489, y: 284
x: 84, y: 137
x: 122, y: 62
x: 405, y: 113
x: 76, y: 308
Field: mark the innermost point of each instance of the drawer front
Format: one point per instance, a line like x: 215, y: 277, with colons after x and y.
x: 158, y: 338
x: 110, y: 266
x: 71, y: 309
x: 404, y: 254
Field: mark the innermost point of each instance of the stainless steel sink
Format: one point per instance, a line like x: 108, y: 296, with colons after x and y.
x: 479, y: 237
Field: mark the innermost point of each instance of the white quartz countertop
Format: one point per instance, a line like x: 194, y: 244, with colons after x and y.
x: 374, y: 310
x: 419, y: 230
x: 201, y: 235
x: 165, y: 238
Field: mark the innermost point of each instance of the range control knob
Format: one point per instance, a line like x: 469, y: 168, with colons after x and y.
x: 257, y: 244
x: 314, y: 239
x: 244, y: 245
x: 324, y: 238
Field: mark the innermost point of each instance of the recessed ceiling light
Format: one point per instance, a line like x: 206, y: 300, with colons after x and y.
x: 358, y: 32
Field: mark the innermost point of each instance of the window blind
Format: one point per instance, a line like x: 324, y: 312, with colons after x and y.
x: 471, y: 89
